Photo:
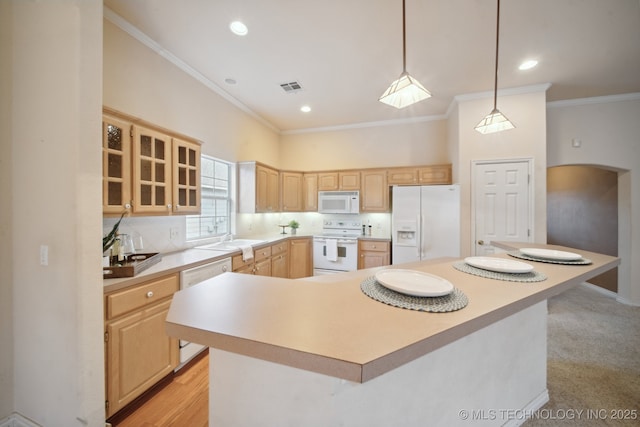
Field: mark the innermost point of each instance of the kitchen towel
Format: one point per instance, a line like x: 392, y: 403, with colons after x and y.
x: 332, y: 250
x: 247, y: 252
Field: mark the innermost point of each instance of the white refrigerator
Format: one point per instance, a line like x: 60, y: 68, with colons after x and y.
x: 425, y: 222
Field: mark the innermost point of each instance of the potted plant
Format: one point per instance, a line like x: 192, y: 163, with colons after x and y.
x: 294, y: 226
x: 110, y: 239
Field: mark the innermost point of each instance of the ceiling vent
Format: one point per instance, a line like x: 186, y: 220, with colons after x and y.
x: 291, y: 87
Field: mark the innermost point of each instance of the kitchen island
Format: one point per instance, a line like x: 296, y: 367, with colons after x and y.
x: 319, y: 352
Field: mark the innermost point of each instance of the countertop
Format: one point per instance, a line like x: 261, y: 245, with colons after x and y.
x: 189, y: 258
x: 326, y: 324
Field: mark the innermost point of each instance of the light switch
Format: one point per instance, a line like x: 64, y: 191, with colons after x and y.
x: 576, y: 143
x: 44, y: 255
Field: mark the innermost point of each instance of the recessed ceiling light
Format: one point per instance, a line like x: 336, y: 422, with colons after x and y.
x: 528, y: 64
x: 305, y: 108
x: 238, y: 28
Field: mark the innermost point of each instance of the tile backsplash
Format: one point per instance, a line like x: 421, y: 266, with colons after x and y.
x: 166, y: 234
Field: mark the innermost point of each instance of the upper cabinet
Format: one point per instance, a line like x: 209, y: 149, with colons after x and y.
x: 310, y: 192
x: 116, y: 165
x: 151, y: 172
x: 148, y: 171
x: 374, y: 194
x: 420, y: 175
x: 291, y: 191
x: 186, y: 177
x: 259, y: 188
x: 344, y: 180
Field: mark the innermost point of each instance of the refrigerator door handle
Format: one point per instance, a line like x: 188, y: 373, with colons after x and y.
x: 419, y: 235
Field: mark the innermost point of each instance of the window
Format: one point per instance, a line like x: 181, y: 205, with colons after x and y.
x: 215, y: 214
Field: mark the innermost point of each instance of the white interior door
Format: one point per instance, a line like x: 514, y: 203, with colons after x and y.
x: 501, y: 203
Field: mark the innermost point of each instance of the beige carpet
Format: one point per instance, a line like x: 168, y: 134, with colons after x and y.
x: 593, y: 372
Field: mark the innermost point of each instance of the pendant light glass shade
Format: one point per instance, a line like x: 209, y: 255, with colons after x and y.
x: 495, y: 121
x: 404, y: 91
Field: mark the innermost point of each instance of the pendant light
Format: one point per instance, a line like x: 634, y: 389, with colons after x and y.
x: 495, y: 121
x: 406, y: 90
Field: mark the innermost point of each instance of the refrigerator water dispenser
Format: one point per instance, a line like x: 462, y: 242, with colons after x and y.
x: 406, y: 233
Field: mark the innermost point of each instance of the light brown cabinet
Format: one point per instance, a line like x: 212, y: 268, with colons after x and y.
x: 138, y: 352
x: 310, y: 192
x: 421, y: 175
x: 374, y: 193
x: 291, y: 191
x: 280, y: 259
x: 186, y: 177
x: 147, y: 171
x: 116, y: 165
x: 373, y: 253
x: 341, y: 180
x: 260, y: 264
x: 259, y: 188
x: 300, y: 257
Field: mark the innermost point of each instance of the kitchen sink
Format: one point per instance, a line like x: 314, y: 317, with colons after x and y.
x: 231, y: 245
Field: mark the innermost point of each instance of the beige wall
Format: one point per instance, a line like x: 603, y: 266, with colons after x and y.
x: 140, y: 82
x: 609, y: 131
x: 527, y: 141
x: 53, y: 66
x: 412, y: 143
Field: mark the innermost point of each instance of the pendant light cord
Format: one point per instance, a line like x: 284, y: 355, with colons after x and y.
x: 495, y: 90
x: 404, y: 42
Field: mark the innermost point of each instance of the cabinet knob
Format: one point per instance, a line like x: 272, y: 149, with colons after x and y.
x: 127, y: 205
x: 150, y: 294
x: 169, y: 205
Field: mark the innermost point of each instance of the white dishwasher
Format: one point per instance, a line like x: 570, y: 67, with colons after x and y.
x: 191, y: 277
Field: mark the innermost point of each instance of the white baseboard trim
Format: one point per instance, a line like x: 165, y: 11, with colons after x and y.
x: 609, y: 294
x: 529, y: 409
x: 17, y: 420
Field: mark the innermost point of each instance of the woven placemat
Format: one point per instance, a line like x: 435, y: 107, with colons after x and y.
x: 456, y: 300
x: 532, y: 276
x: 581, y: 261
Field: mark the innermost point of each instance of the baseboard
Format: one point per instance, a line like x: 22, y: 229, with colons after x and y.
x: 608, y: 293
x: 525, y: 413
x: 17, y: 420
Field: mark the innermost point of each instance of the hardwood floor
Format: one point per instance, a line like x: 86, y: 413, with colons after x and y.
x: 182, y: 402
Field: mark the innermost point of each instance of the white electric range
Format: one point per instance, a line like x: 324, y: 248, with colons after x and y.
x: 335, y: 250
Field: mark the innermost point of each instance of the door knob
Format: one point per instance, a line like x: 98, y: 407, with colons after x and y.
x: 481, y: 242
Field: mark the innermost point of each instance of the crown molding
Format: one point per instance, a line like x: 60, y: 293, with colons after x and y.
x: 594, y: 100
x: 395, y: 122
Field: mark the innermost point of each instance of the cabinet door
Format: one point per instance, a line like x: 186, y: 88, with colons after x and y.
x: 436, y: 174
x: 280, y: 265
x: 402, y: 176
x: 373, y: 253
x: 291, y: 191
x: 310, y: 192
x: 116, y: 165
x: 328, y: 181
x: 267, y: 189
x: 263, y: 268
x: 374, y: 196
x: 300, y: 258
x: 349, y: 180
x: 139, y: 354
x: 186, y: 177
x: 152, y: 183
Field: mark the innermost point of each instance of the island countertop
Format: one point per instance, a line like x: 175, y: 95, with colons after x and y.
x: 326, y: 324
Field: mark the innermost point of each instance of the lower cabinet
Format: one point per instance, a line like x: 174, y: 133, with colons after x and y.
x: 138, y: 352
x: 280, y: 259
x: 300, y: 257
x: 373, y: 253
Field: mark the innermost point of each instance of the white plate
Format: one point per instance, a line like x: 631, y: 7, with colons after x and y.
x: 501, y: 265
x: 551, y: 254
x: 416, y: 283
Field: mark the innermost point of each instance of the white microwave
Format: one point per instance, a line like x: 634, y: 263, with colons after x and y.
x: 339, y: 202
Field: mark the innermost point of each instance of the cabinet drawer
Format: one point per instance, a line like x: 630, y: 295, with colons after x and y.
x: 279, y: 248
x: 262, y: 253
x: 374, y: 245
x: 238, y: 263
x: 148, y: 293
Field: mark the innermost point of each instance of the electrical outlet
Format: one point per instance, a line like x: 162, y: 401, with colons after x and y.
x: 44, y: 255
x: 173, y: 233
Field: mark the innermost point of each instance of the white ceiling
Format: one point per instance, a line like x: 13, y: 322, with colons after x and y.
x: 346, y: 52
